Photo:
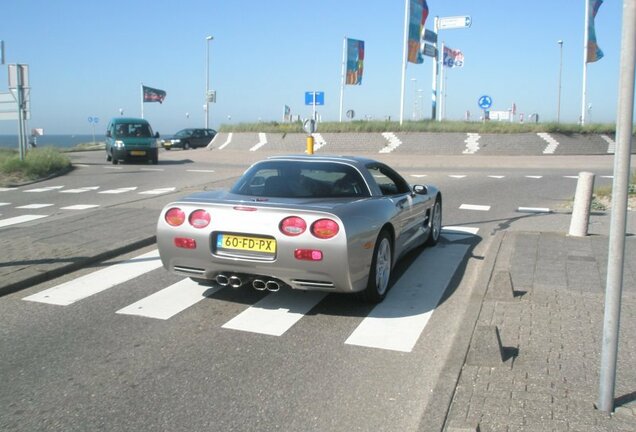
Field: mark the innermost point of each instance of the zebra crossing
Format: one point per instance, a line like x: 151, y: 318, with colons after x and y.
x: 395, y: 324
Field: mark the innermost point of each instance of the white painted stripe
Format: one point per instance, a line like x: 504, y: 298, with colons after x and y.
x: 152, y: 169
x: 98, y: 281
x: 158, y: 191
x: 534, y: 210
x: 457, y: 176
x: 472, y: 143
x: 45, y: 189
x: 7, y: 189
x: 227, y: 141
x: 460, y: 230
x: 4, y: 204
x: 397, y: 322
x: 552, y: 143
x: 19, y: 219
x: 393, y: 142
x: 262, y: 140
x: 611, y: 144
x: 534, y: 176
x: 81, y: 165
x: 118, y: 191
x: 571, y: 177
x: 200, y: 171
x: 113, y: 167
x: 608, y: 177
x: 474, y: 207
x: 419, y: 175
x: 319, y: 141
x: 80, y: 190
x: 276, y: 313
x: 34, y: 206
x: 80, y: 207
x: 169, y: 301
x: 496, y: 176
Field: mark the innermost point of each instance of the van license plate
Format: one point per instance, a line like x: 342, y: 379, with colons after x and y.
x: 138, y: 153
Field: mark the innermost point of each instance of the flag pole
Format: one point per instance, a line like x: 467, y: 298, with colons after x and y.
x: 404, y: 56
x: 442, y: 85
x: 435, y: 71
x: 342, y: 83
x: 141, y: 87
x: 585, y: 43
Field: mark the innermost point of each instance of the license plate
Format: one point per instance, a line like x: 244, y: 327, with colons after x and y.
x: 244, y: 243
x: 138, y: 153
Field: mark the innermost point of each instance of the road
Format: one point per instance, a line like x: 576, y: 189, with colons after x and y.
x: 124, y: 345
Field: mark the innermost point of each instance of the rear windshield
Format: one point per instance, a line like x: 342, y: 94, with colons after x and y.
x: 294, y: 179
x: 142, y: 130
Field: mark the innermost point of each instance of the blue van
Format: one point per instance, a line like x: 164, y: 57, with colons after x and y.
x: 131, y: 139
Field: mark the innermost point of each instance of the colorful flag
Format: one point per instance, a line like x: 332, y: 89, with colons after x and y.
x: 153, y: 95
x: 453, y: 58
x: 355, y: 61
x: 594, y: 53
x: 417, y: 18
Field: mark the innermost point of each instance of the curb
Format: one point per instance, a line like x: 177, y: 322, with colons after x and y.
x: 68, y: 268
x: 435, y: 414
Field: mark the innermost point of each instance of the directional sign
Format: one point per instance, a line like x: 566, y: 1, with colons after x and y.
x: 485, y: 102
x: 319, y: 98
x: 429, y: 50
x: 454, y: 22
x: 430, y: 36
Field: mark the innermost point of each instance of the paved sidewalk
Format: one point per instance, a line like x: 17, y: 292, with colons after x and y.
x: 545, y: 302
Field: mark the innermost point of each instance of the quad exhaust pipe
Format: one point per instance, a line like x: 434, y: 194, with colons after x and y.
x: 235, y: 281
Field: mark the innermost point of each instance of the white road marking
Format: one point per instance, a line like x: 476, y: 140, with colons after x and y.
x: 472, y: 143
x: 200, y: 171
x: 114, y: 167
x: 262, y: 140
x: 276, y: 313
x: 80, y: 207
x: 151, y: 169
x: 533, y: 210
x: 397, y: 323
x: 496, y: 176
x: 119, y: 190
x: 158, y: 191
x: 4, y: 204
x: 45, y: 189
x: 571, y: 177
x: 534, y: 176
x: 81, y: 165
x: 80, y: 190
x: 608, y: 177
x: 98, y: 281
x: 169, y: 301
x: 34, y: 206
x: 227, y: 141
x: 457, y: 176
x: 611, y: 144
x: 419, y: 175
x: 7, y: 189
x: 474, y: 207
x: 552, y: 143
x: 460, y: 230
x: 393, y: 142
x: 19, y: 219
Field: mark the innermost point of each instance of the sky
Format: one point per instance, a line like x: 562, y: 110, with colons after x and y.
x: 89, y: 58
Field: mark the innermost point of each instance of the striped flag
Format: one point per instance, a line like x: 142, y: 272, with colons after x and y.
x: 594, y: 53
x: 417, y: 19
x: 355, y: 61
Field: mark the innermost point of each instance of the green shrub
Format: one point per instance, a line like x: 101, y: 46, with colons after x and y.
x: 38, y: 163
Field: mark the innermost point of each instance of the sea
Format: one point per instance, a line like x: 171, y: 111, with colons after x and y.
x: 60, y: 141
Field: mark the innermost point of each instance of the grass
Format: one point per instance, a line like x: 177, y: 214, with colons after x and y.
x: 38, y: 163
x: 602, y: 197
x: 423, y: 126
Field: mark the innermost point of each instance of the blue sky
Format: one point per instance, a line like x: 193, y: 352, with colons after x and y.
x: 88, y: 58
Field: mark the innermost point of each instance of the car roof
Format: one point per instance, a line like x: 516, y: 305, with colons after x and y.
x: 356, y: 160
x: 117, y: 120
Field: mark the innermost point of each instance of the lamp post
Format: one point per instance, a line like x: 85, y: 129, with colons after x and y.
x: 560, y: 42
x: 207, y: 80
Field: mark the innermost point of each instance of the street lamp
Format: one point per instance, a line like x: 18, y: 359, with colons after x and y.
x: 207, y: 80
x: 560, y: 42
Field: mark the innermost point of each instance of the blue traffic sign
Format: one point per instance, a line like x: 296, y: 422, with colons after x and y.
x: 319, y: 98
x: 485, y: 102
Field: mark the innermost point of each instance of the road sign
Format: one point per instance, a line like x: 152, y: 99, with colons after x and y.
x: 485, y: 102
x: 319, y: 98
x: 429, y: 50
x: 454, y: 22
x: 93, y: 119
x: 430, y: 36
x: 350, y: 114
x: 310, y: 126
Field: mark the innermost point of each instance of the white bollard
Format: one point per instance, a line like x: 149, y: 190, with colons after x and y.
x: 582, y: 203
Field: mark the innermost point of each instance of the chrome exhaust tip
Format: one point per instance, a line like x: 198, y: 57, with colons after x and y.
x: 272, y: 286
x: 222, y: 280
x: 235, y: 281
x: 259, y: 284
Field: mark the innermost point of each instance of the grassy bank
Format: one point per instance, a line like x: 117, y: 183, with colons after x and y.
x: 423, y: 126
x: 38, y: 163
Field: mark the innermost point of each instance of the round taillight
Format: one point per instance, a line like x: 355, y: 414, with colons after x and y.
x: 293, y: 226
x: 175, y: 216
x: 324, y: 228
x: 199, y: 219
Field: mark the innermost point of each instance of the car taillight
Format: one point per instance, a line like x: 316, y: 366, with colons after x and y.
x: 324, y: 228
x: 199, y: 219
x: 185, y: 243
x: 308, y: 254
x: 175, y: 216
x: 293, y: 226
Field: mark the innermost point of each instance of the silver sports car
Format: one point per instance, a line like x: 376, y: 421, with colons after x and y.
x: 329, y: 223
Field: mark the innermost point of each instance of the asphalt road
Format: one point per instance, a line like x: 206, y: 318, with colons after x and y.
x: 102, y: 362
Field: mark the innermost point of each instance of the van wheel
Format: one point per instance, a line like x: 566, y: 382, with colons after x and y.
x: 115, y: 161
x: 186, y: 145
x: 108, y: 158
x: 155, y: 160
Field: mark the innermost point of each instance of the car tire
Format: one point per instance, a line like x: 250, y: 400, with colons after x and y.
x: 435, y: 223
x: 155, y: 160
x: 186, y: 145
x: 380, y: 272
x: 114, y: 161
x: 108, y: 157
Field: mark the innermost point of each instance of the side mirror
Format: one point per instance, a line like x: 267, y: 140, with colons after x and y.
x: 420, y: 189
x: 108, y: 135
x: 156, y: 134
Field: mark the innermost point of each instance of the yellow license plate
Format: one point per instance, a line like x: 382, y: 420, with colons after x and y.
x: 138, y: 153
x: 252, y: 244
